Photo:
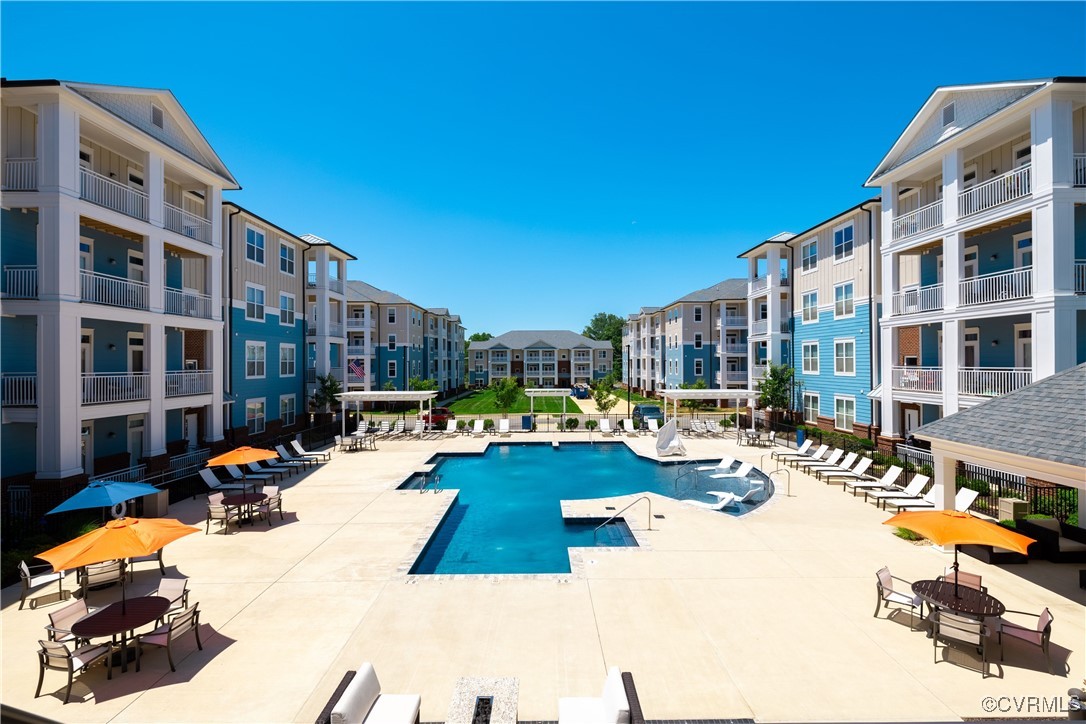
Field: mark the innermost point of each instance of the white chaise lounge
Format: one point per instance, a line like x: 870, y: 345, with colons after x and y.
x: 610, y: 707
x: 362, y: 701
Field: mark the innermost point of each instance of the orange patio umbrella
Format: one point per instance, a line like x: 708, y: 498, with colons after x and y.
x: 951, y: 527
x: 117, y: 540
x: 241, y: 457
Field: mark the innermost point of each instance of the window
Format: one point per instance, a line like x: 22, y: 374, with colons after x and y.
x: 254, y: 360
x: 286, y: 410
x: 699, y: 368
x: 810, y: 408
x: 808, y: 255
x: 478, y: 355
x: 391, y: 343
x: 254, y: 416
x: 843, y: 305
x: 810, y: 307
x: 286, y: 309
x: 810, y: 358
x: 697, y: 341
x: 254, y: 245
x: 478, y: 368
x: 254, y: 302
x: 844, y: 413
x: 392, y: 315
x: 1023, y: 250
x: 842, y: 242
x: 603, y: 354
x: 697, y: 314
x: 392, y: 369
x: 286, y: 258
x: 1022, y: 153
x: 844, y: 357
x: 286, y: 360
x: 969, y: 176
x: 156, y: 116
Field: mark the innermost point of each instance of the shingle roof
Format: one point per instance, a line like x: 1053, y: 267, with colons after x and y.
x: 727, y: 289
x: 1045, y: 420
x: 362, y: 292
x: 557, y: 338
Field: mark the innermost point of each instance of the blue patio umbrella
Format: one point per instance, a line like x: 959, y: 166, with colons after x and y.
x: 104, y: 494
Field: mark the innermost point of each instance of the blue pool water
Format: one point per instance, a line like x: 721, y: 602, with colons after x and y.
x: 508, y: 518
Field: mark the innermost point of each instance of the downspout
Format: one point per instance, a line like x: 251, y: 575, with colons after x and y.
x: 228, y: 325
x: 871, y: 312
x: 792, y: 326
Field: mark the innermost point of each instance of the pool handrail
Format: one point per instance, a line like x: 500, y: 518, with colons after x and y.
x: 643, y: 497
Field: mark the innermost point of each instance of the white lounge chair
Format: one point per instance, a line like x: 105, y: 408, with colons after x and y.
x: 362, y: 701
x: 628, y: 427
x: 235, y: 473
x: 712, y: 428
x: 326, y: 454
x: 884, y: 484
x: 384, y: 429
x: 962, y: 500
x: 477, y: 429
x: 845, y: 464
x: 802, y: 450
x: 605, y: 427
x: 668, y: 440
x: 857, y: 473
x: 725, y: 499
x: 925, y: 501
x: 831, y: 461
x: 795, y: 459
x: 723, y: 466
x: 399, y: 428
x: 654, y: 425
x: 503, y: 427
x: 280, y: 470
x: 742, y: 472
x: 610, y: 707
x: 698, y: 427
x: 289, y: 459
x: 215, y: 484
x: 450, y: 427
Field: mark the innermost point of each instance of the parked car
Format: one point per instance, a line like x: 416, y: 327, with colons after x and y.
x: 643, y: 413
x: 439, y: 416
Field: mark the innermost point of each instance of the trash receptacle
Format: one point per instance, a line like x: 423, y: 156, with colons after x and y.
x: 526, y: 422
x: 801, y: 435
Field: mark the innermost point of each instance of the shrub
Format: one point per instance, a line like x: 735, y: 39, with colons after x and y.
x: 927, y: 470
x: 488, y: 424
x: 981, y: 486
x: 461, y: 424
x: 1009, y: 523
x: 571, y: 423
x: 906, y: 534
x: 591, y: 424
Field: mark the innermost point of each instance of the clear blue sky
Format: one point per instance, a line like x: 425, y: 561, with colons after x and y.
x: 528, y: 165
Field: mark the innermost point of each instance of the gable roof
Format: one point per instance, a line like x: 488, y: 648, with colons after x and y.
x: 358, y: 291
x: 556, y: 338
x: 836, y: 217
x: 1045, y: 420
x: 727, y: 289
x: 782, y: 238
x: 314, y: 240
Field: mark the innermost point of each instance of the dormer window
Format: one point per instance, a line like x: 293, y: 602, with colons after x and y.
x: 948, y: 114
x: 156, y: 117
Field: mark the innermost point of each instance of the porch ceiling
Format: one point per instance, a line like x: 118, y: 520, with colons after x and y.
x: 110, y: 229
x: 997, y: 225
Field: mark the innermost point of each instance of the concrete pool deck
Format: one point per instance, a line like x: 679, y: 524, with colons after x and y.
x: 766, y: 616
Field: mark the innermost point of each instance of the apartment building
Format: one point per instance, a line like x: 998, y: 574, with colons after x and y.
x: 264, y: 288
x: 539, y: 358
x: 983, y: 246
x: 700, y: 336
x: 325, y: 311
x: 834, y: 315
x: 392, y: 339
x: 768, y: 306
x: 111, y: 250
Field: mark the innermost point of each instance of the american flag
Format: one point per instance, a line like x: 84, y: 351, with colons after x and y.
x: 357, y: 369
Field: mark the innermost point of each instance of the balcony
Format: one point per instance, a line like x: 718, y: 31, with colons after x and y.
x: 922, y: 299
x: 99, y: 189
x: 102, y: 388
x: 916, y: 222
x: 759, y: 327
x: 335, y: 285
x: 732, y: 348
x: 1003, y: 189
x: 20, y: 174
x: 996, y: 287
x: 21, y: 282
x: 187, y: 304
x: 189, y: 382
x: 917, y: 379
x: 335, y: 329
x: 992, y: 381
x: 737, y: 375
x: 357, y: 323
x: 19, y: 391
x: 759, y: 371
x: 114, y: 291
x: 1080, y: 169
x: 759, y: 283
x: 735, y: 320
x: 357, y: 350
x: 187, y: 224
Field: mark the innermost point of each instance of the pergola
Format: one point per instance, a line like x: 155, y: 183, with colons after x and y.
x: 676, y: 395
x: 535, y: 392
x: 419, y: 396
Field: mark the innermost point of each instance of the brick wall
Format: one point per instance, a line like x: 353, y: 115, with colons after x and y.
x: 908, y: 343
x: 194, y: 347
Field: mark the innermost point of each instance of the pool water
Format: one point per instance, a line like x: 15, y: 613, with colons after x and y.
x: 508, y: 517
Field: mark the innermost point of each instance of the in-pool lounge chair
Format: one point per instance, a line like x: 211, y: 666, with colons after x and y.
x: 477, y: 429
x: 725, y: 499
x: 723, y: 466
x: 742, y: 472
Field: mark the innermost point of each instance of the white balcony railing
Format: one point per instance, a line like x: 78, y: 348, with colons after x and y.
x: 759, y: 371
x: 917, y: 379
x: 760, y: 326
x: 735, y: 320
x: 1080, y: 276
x: 737, y: 375
x: 1080, y: 169
x: 114, y: 291
x: 189, y: 382
x: 134, y: 474
x: 730, y: 348
x: 99, y: 189
x: 187, y: 223
x: 357, y: 350
x: 923, y: 299
x: 21, y: 282
x: 997, y: 191
x: 19, y: 390
x: 335, y: 285
x: 20, y: 174
x: 996, y: 287
x: 759, y: 283
x: 917, y: 222
x: 335, y: 329
x: 992, y: 381
x: 357, y: 323
x: 98, y: 388
x: 187, y: 304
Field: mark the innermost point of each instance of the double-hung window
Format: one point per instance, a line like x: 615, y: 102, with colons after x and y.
x: 286, y: 360
x: 699, y: 368
x: 254, y: 360
x: 843, y: 242
x: 392, y: 315
x: 697, y: 314
x: 843, y: 300
x: 392, y: 369
x: 810, y: 358
x: 844, y: 357
x: 254, y: 416
x: 254, y: 245
x: 808, y: 255
x: 810, y: 307
x: 286, y: 258
x: 254, y: 302
x: 844, y: 413
x: 697, y: 341
x: 286, y: 309
x: 286, y: 410
x: 810, y: 408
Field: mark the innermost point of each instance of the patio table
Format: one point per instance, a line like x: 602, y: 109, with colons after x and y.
x: 969, y: 602
x: 120, y: 618
x: 244, y: 500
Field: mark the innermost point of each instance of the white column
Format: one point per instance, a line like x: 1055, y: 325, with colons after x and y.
x: 946, y: 469
x: 58, y: 250
x: 59, y: 392
x: 1054, y: 249
x: 154, y: 259
x: 155, y: 425
x: 773, y: 305
x: 953, y: 170
x: 952, y: 346
x: 213, y: 285
x: 58, y: 149
x: 155, y: 182
x: 888, y: 212
x: 889, y: 344
x: 1052, y: 137
x: 213, y: 351
x: 213, y: 209
x: 953, y: 251
x: 1054, y: 336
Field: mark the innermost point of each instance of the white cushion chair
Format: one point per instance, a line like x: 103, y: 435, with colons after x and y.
x: 362, y: 701
x: 610, y: 707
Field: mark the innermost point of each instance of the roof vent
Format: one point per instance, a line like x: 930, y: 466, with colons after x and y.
x: 948, y: 114
x: 156, y: 116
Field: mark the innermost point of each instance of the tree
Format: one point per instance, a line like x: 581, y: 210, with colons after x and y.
x: 698, y: 384
x: 608, y: 327
x: 327, y: 389
x: 476, y: 337
x: 506, y: 393
x: 775, y: 389
x: 602, y: 394
x: 417, y: 383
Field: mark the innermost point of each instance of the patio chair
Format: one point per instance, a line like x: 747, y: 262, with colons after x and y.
x: 362, y: 701
x: 831, y: 461
x: 610, y: 706
x: 40, y: 575
x: 217, y: 511
x: 270, y: 467
x: 450, y: 427
x: 97, y: 575
x: 884, y: 588
x: 503, y: 427
x: 787, y: 452
x: 155, y: 558
x: 174, y: 590
x: 274, y: 501
x: 208, y: 476
x: 235, y: 473
x: 628, y: 427
x: 884, y: 486
x: 477, y: 429
x: 970, y: 580
x: 845, y: 463
x: 1039, y: 635
x: 654, y: 425
x: 951, y: 630
x: 927, y: 500
x: 324, y: 454
x: 843, y: 476
x: 289, y: 459
x: 61, y: 621
x: 58, y: 657
x: 164, y: 636
x: 346, y: 445
x: 605, y: 427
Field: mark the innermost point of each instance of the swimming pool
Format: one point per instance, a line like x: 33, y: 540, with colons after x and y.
x: 508, y: 518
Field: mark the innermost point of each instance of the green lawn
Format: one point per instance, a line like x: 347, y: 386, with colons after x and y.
x: 636, y: 399
x: 482, y: 403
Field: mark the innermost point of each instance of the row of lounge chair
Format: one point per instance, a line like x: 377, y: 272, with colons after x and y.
x: 850, y: 470
x: 287, y: 464
x: 709, y: 428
